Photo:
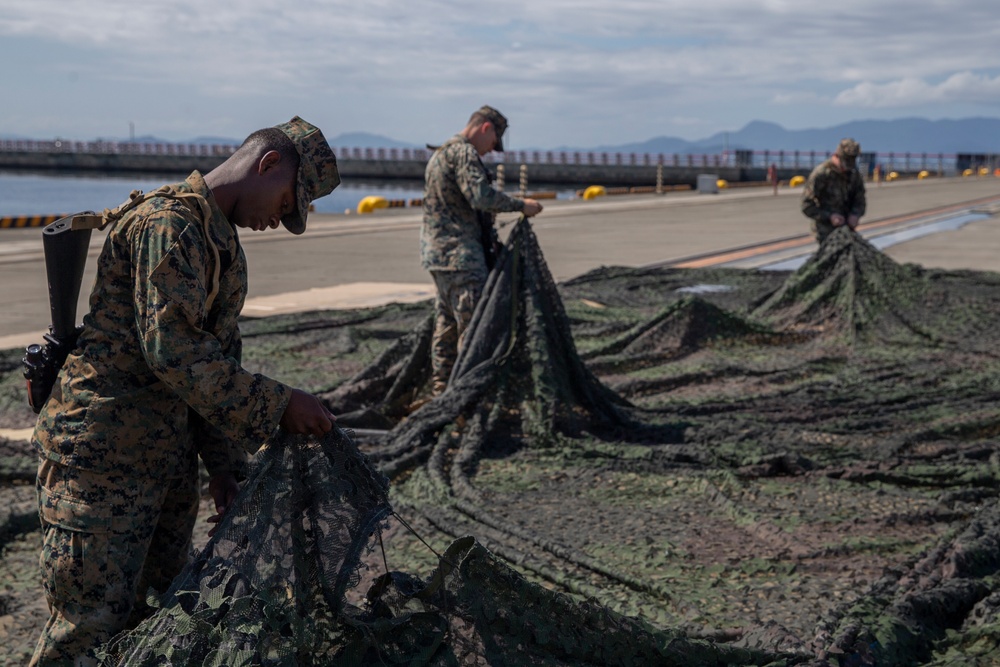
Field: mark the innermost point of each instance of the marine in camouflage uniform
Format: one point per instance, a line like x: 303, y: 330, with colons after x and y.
x: 834, y: 194
x: 458, y: 200
x: 155, y: 382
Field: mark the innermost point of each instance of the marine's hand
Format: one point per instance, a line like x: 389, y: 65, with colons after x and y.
x: 531, y: 208
x: 223, y: 489
x: 852, y: 221
x: 306, y: 415
x: 837, y: 220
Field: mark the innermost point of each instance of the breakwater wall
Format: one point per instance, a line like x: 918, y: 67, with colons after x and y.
x: 575, y: 169
x: 577, y: 175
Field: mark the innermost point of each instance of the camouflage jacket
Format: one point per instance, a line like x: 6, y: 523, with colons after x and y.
x: 829, y: 191
x: 155, y: 379
x: 456, y: 185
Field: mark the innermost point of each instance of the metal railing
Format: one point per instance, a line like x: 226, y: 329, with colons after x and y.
x: 114, y: 147
x: 784, y: 159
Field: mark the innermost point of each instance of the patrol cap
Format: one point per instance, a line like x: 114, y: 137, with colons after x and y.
x: 848, y: 148
x: 318, y: 174
x: 499, y: 123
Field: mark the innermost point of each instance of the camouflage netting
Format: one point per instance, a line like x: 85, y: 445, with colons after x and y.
x: 269, y: 587
x: 750, y: 393
x: 638, y: 466
x: 850, y: 289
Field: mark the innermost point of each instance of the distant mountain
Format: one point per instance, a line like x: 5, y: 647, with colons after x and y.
x: 666, y: 145
x: 914, y: 135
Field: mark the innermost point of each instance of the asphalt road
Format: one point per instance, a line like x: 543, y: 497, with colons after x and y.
x: 351, y: 260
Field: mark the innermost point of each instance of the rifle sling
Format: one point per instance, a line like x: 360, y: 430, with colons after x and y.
x: 192, y: 200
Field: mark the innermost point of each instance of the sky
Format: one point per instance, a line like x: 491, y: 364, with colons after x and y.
x: 566, y: 73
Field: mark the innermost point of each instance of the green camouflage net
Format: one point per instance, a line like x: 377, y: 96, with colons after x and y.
x: 269, y: 587
x: 765, y: 402
x: 639, y: 466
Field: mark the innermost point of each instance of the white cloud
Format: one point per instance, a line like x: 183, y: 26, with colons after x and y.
x: 797, y: 97
x: 565, y: 70
x: 962, y: 87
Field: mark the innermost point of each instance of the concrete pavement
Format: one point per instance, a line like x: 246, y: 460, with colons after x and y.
x: 349, y: 261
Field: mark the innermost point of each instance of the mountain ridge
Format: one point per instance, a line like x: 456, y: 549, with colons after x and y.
x: 901, y: 135
x: 914, y: 135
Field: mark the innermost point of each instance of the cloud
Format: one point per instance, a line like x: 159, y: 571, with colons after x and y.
x: 967, y: 87
x: 796, y: 97
x: 562, y: 69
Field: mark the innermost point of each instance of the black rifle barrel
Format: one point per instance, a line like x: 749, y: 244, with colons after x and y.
x: 65, y: 258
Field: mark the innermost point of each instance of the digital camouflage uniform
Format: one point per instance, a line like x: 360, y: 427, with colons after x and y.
x: 829, y: 190
x: 154, y: 382
x: 457, y: 186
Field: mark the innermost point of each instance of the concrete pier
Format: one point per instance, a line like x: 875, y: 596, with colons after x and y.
x: 352, y: 261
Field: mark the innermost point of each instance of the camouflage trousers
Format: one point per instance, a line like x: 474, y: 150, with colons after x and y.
x: 458, y: 293
x: 822, y: 229
x: 107, y: 538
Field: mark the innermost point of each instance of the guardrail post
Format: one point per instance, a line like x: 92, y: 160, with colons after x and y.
x: 659, y: 179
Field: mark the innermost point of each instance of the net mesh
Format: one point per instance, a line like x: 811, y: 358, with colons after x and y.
x: 269, y: 588
x: 800, y: 469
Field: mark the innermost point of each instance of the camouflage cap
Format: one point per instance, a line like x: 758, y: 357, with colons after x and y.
x: 499, y: 122
x: 318, y: 174
x: 848, y: 148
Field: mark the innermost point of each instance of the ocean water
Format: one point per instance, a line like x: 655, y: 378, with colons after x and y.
x: 48, y: 194
x: 51, y: 194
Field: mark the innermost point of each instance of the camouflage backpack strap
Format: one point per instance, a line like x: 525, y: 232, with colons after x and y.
x: 192, y: 200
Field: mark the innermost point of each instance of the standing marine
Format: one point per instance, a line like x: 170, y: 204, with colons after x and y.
x: 459, y: 207
x: 155, y: 382
x: 834, y: 193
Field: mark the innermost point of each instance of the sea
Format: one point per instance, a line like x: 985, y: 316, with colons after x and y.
x: 58, y: 194
x: 51, y: 194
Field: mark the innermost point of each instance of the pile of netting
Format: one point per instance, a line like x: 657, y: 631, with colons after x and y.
x: 271, y: 587
x: 659, y: 466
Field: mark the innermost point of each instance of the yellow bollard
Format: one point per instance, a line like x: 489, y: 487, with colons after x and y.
x: 594, y: 191
x: 891, y: 176
x: 967, y: 172
x: 722, y: 184
x: 369, y: 204
x: 923, y: 174
x: 796, y: 180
